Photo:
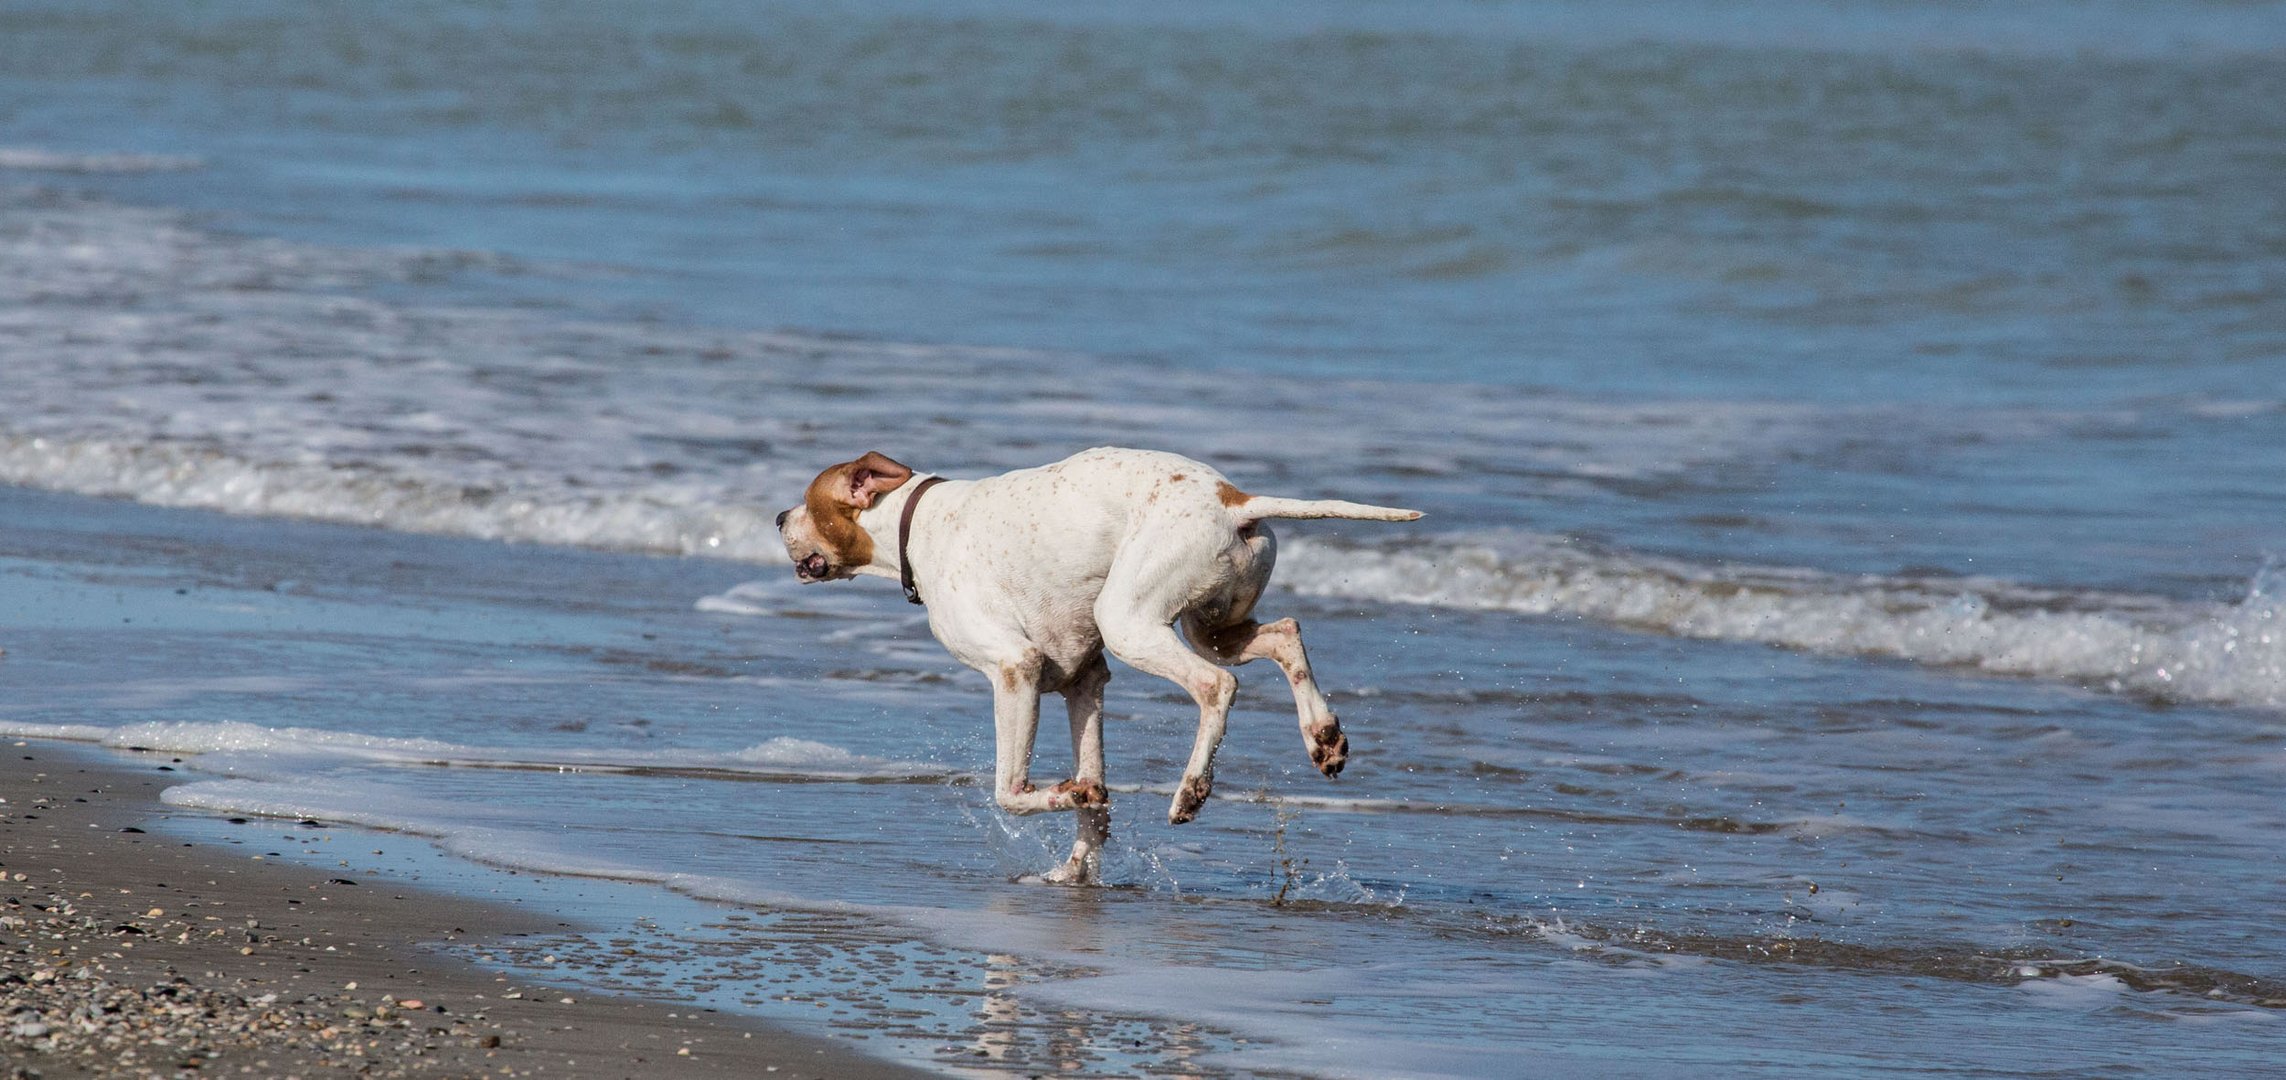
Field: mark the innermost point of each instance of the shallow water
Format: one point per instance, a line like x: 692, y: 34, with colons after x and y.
x: 1850, y: 436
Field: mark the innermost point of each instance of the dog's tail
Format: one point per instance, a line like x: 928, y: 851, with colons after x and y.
x: 1256, y: 507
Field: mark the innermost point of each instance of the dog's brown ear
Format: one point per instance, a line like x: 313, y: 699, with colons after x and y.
x: 871, y: 477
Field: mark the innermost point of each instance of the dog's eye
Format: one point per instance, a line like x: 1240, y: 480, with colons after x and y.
x: 782, y: 515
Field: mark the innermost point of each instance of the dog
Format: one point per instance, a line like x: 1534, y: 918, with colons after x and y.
x: 1030, y: 576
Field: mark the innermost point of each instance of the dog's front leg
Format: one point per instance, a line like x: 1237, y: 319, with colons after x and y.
x: 1015, y: 723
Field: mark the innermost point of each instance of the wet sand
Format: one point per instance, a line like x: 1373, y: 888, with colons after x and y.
x: 128, y: 953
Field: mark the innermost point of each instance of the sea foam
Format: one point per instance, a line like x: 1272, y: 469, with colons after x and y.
x: 2166, y: 649
x: 246, y: 749
x: 33, y: 159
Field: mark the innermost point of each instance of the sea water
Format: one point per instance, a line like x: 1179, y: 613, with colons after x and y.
x: 1845, y: 633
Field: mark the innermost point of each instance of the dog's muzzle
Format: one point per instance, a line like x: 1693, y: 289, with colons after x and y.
x: 812, y: 567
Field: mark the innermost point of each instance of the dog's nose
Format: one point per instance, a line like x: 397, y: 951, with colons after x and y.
x: 782, y: 515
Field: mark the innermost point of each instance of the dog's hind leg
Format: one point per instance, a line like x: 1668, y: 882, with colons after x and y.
x: 1154, y: 647
x: 1083, y: 699
x: 1153, y: 582
x: 1281, y: 642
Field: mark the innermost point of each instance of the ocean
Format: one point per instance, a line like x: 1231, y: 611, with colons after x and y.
x: 1846, y: 635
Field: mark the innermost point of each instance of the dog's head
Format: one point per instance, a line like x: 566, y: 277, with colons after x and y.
x: 822, y: 535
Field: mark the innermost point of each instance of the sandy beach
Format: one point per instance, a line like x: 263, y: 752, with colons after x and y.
x: 131, y: 954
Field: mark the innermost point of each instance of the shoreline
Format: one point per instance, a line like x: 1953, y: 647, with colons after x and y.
x: 133, y: 953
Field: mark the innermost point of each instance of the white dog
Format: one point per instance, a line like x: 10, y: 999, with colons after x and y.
x: 1029, y: 576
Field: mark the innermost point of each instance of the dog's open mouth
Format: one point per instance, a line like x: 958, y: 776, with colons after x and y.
x: 812, y: 567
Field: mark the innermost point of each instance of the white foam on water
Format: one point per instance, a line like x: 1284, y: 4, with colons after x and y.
x: 2231, y: 653
x: 2096, y: 991
x: 284, y: 753
x: 1326, y: 803
x: 202, y: 478
x: 33, y: 159
x: 65, y: 732
x: 744, y: 598
x: 789, y: 753
x: 240, y: 737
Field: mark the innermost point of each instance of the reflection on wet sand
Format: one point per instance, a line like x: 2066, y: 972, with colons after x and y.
x: 951, y: 1008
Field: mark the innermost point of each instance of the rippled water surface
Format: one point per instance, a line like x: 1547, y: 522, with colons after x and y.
x: 1851, y: 438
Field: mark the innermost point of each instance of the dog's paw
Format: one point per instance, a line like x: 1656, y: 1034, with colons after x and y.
x: 1329, y: 750
x: 1073, y: 872
x: 1079, y: 795
x: 1188, y: 799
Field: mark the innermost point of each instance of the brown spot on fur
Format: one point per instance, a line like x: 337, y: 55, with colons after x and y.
x: 1230, y: 496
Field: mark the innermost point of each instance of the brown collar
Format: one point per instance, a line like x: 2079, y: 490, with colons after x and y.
x: 905, y: 532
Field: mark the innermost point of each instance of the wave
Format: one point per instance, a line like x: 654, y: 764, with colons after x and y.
x: 207, y: 478
x: 2153, y: 647
x: 242, y: 749
x: 2149, y: 646
x: 2031, y: 967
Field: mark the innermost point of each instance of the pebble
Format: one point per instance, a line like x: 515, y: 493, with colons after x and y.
x: 92, y: 985
x: 64, y: 1011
